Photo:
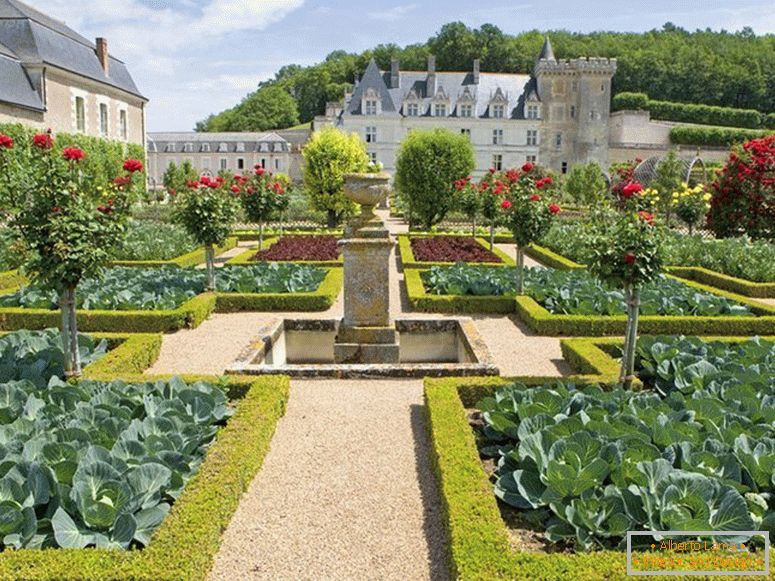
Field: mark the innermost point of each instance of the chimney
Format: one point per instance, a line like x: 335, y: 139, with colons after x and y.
x: 477, y: 70
x: 395, y: 70
x: 102, y: 54
x: 431, y: 82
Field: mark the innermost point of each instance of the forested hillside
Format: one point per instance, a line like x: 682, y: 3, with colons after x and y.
x: 715, y: 68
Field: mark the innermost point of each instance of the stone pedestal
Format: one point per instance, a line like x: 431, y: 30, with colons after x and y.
x: 366, y: 334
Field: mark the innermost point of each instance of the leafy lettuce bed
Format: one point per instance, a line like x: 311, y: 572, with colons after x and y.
x: 578, y: 293
x: 98, y: 464
x: 148, y: 289
x: 304, y: 248
x: 451, y: 249
x: 155, y: 241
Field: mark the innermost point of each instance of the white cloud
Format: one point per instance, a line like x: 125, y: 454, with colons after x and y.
x: 392, y: 14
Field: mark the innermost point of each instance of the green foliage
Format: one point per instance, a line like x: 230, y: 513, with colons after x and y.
x: 176, y: 177
x: 669, y: 177
x: 262, y: 197
x: 270, y: 107
x: 207, y: 213
x: 596, y: 464
x: 154, y: 241
x: 576, y: 292
x: 140, y: 289
x: 691, y: 113
x: 689, y: 364
x: 743, y: 199
x: 712, y: 136
x: 428, y: 164
x: 586, y: 185
x: 12, y: 252
x: 329, y: 155
x: 102, y: 461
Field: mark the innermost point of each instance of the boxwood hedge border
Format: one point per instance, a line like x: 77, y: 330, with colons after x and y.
x: 408, y: 261
x: 479, y: 545
x: 246, y: 258
x: 545, y: 323
x: 248, y: 235
x: 189, y: 315
x: 194, y: 258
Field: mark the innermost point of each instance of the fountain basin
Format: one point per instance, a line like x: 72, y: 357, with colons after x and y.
x: 427, y: 348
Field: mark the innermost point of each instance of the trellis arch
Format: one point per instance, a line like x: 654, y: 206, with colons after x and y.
x: 694, y: 170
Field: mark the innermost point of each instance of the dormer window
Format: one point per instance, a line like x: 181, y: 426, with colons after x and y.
x: 498, y: 111
x: 240, y: 148
x: 412, y: 110
x: 533, y: 111
x: 205, y: 148
x: 440, y: 110
x: 223, y: 148
x: 188, y: 148
x: 170, y: 148
x: 466, y: 110
x: 370, y: 107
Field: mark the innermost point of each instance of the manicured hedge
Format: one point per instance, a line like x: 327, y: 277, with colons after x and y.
x: 713, y: 136
x: 251, y: 235
x: 190, y: 315
x: 552, y: 259
x: 691, y: 112
x: 12, y: 279
x: 319, y: 300
x: 725, y: 282
x: 185, y: 545
x: 127, y: 354
x: 194, y: 258
x: 408, y: 260
x: 246, y: 258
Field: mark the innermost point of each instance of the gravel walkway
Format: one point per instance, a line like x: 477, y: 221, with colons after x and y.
x: 767, y: 301
x: 346, y: 491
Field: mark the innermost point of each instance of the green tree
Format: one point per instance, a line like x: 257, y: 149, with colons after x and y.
x: 668, y: 179
x: 428, y: 164
x: 270, y: 107
x: 329, y: 155
x: 586, y: 184
x: 171, y: 177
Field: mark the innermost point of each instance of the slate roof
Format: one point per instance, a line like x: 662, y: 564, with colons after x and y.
x: 34, y: 38
x: 453, y: 85
x: 15, y: 87
x: 267, y: 142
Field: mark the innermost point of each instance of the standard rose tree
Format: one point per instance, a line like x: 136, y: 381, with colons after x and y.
x: 262, y: 199
x: 68, y: 221
x: 527, y: 210
x: 625, y: 252
x: 207, y: 209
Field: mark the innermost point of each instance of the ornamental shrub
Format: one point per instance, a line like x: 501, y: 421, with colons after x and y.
x: 329, y: 155
x: 744, y: 192
x: 468, y: 200
x: 691, y: 205
x: 712, y: 136
x: 586, y: 185
x: 261, y: 198
x: 68, y: 212
x: 207, y: 209
x: 428, y: 164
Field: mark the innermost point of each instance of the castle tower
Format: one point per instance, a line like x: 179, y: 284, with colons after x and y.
x: 576, y: 105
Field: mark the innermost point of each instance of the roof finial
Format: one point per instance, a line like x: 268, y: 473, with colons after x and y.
x: 547, y: 53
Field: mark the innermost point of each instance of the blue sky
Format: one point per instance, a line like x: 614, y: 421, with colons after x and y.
x: 194, y: 57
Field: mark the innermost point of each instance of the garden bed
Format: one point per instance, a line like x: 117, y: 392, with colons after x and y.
x: 448, y: 250
x: 288, y: 288
x: 759, y: 318
x: 185, y: 544
x: 193, y: 258
x: 313, y: 250
x: 482, y: 546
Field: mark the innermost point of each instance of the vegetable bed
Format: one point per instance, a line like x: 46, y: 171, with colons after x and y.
x: 451, y: 249
x: 155, y: 241
x: 588, y: 465
x: 303, y: 249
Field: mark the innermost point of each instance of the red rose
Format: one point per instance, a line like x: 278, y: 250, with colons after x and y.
x: 647, y: 217
x: 107, y: 210
x: 535, y: 198
x: 192, y: 184
x: 204, y: 180
x: 121, y: 181
x: 555, y: 209
x: 5, y: 142
x: 631, y: 189
x: 250, y: 190
x: 73, y: 154
x: 56, y: 210
x: 235, y: 189
x: 260, y: 170
x: 506, y: 205
x: 278, y: 188
x: 492, y: 170
x: 43, y: 141
x: 213, y: 185
x: 133, y: 165
x: 499, y: 189
x: 629, y: 258
x: 512, y: 175
x: 528, y: 167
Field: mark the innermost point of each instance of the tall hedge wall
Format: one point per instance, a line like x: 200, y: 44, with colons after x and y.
x: 104, y: 158
x: 713, y: 136
x: 692, y: 113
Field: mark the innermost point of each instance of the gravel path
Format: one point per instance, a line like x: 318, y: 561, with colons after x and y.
x: 767, y: 301
x: 511, y: 250
x: 346, y: 491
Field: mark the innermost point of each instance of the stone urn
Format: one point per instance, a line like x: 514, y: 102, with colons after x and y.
x: 368, y: 190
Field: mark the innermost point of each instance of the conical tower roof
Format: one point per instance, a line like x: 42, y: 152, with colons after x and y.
x: 547, y: 53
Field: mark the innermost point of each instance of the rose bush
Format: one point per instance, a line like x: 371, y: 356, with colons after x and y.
x: 261, y: 197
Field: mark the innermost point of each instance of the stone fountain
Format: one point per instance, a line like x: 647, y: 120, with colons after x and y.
x: 367, y: 334
x: 366, y: 342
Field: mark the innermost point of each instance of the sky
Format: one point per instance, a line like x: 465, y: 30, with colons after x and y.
x: 196, y: 57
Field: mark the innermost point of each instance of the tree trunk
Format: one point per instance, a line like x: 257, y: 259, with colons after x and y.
x: 628, y: 362
x: 210, y: 257
x: 625, y: 348
x: 520, y: 271
x: 282, y: 223
x: 492, y: 236
x: 332, y: 219
x: 691, y: 229
x: 72, y: 353
x: 473, y: 227
x: 260, y: 236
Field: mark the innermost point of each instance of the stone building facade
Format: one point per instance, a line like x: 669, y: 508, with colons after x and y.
x: 52, y: 77
x: 209, y: 153
x: 558, y: 116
